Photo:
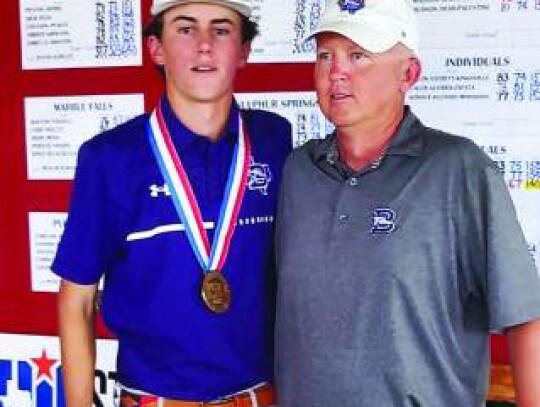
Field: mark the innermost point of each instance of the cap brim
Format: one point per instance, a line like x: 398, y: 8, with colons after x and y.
x: 366, y: 35
x: 240, y: 8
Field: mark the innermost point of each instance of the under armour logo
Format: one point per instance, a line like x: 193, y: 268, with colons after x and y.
x: 383, y: 221
x: 156, y: 190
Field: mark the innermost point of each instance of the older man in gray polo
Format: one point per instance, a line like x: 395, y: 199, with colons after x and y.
x: 398, y: 247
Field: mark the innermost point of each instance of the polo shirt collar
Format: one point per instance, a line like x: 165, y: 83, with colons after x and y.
x: 183, y: 137
x: 405, y: 141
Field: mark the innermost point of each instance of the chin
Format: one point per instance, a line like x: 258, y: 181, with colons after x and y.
x: 210, y: 94
x: 339, y: 119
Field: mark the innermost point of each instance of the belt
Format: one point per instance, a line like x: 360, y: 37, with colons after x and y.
x: 265, y: 396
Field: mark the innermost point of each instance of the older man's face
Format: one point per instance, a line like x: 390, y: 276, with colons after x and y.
x: 356, y: 87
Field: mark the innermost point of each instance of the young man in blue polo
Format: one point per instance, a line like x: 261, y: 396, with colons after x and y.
x: 399, y: 248
x: 164, y: 209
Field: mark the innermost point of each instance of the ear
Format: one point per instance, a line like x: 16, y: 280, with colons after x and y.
x: 155, y: 49
x: 412, y: 73
x: 244, y: 54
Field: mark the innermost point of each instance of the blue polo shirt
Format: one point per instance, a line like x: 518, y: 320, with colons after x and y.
x: 122, y: 225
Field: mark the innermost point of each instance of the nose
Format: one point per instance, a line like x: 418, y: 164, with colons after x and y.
x: 204, y: 43
x: 338, y: 70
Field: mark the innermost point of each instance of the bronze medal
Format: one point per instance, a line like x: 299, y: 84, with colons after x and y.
x: 216, y: 292
x: 211, y: 255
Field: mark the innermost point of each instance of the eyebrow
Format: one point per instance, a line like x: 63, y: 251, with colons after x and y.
x: 194, y: 20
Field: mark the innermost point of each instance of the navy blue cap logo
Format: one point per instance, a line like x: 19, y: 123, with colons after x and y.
x: 352, y: 6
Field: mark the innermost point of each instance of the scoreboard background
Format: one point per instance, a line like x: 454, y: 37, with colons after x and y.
x: 27, y: 312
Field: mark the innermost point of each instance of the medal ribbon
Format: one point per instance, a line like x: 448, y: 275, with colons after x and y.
x: 209, y: 257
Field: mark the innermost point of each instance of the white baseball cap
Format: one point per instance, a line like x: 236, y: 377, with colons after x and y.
x: 240, y: 6
x: 376, y: 25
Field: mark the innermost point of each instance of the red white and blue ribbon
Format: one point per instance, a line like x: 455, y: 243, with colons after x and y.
x: 210, y: 257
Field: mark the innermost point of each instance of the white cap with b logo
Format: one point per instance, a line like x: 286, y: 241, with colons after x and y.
x: 375, y: 25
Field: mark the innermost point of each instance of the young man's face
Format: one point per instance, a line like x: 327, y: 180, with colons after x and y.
x: 200, y: 50
x: 356, y: 87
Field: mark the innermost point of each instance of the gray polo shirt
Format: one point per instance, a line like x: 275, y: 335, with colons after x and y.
x: 390, y: 279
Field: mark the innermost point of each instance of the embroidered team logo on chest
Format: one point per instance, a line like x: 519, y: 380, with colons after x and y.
x: 259, y: 177
x: 383, y: 221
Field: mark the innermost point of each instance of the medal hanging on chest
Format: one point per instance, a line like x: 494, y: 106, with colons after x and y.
x: 215, y: 290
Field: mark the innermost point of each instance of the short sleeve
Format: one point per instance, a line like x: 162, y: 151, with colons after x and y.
x: 513, y: 283
x: 87, y: 241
